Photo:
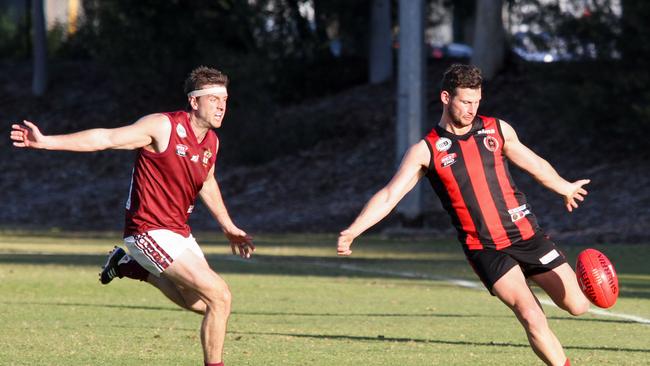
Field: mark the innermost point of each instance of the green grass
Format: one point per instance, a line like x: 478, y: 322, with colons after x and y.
x: 296, y: 303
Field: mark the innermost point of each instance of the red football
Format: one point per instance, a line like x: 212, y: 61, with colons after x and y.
x: 597, y: 278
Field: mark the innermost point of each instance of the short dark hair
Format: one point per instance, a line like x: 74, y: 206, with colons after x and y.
x: 461, y: 76
x: 202, y: 76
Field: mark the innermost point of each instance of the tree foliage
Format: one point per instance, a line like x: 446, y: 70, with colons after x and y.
x: 272, y: 50
x: 299, y: 50
x: 156, y: 41
x: 277, y: 53
x: 602, y: 90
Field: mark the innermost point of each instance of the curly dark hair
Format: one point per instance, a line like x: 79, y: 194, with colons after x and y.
x: 202, y: 76
x: 461, y: 76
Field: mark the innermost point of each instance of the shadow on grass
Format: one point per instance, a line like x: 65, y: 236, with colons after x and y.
x: 55, y: 259
x: 260, y: 264
x: 108, y: 306
x: 324, y: 266
x: 381, y: 338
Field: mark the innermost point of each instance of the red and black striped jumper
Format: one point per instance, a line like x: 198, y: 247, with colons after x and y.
x: 470, y: 175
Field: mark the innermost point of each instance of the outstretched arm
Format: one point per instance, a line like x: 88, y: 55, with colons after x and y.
x: 211, y: 196
x: 412, y: 168
x: 541, y: 170
x: 146, y: 131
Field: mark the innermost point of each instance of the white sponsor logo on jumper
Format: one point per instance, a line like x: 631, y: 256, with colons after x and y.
x: 190, y: 209
x: 447, y: 160
x: 548, y: 257
x: 194, y: 158
x: 484, y: 131
x: 181, y: 150
x: 180, y: 130
x: 519, y: 213
x: 443, y: 144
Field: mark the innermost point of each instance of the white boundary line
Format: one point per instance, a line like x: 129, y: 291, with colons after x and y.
x: 474, y: 285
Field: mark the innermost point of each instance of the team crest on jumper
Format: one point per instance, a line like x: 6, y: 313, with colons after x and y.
x: 207, y: 154
x: 180, y: 131
x: 443, y: 144
x: 181, y: 150
x: 491, y: 143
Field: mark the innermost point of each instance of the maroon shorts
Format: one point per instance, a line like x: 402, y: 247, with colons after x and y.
x: 535, y: 255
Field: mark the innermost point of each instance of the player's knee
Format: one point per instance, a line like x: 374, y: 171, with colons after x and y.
x: 225, y: 296
x: 220, y: 296
x: 533, y: 319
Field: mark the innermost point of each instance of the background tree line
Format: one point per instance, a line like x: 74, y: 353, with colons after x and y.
x: 279, y: 52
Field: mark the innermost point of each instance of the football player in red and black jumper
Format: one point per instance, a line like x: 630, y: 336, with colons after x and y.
x: 465, y: 158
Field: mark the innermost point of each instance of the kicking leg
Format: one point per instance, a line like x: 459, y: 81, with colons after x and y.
x: 119, y: 264
x: 561, y: 285
x: 513, y: 290
x: 110, y: 269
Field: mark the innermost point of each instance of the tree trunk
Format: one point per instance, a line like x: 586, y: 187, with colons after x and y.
x: 39, y: 43
x: 489, y: 38
x: 380, y: 57
x: 411, y: 81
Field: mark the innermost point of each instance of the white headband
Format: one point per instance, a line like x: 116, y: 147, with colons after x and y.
x: 213, y: 90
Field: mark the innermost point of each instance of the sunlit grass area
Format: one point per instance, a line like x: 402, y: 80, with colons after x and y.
x: 295, y: 303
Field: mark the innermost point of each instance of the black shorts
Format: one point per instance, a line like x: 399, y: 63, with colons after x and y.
x: 536, y: 255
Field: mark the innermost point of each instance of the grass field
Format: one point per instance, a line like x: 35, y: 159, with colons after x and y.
x: 296, y: 303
